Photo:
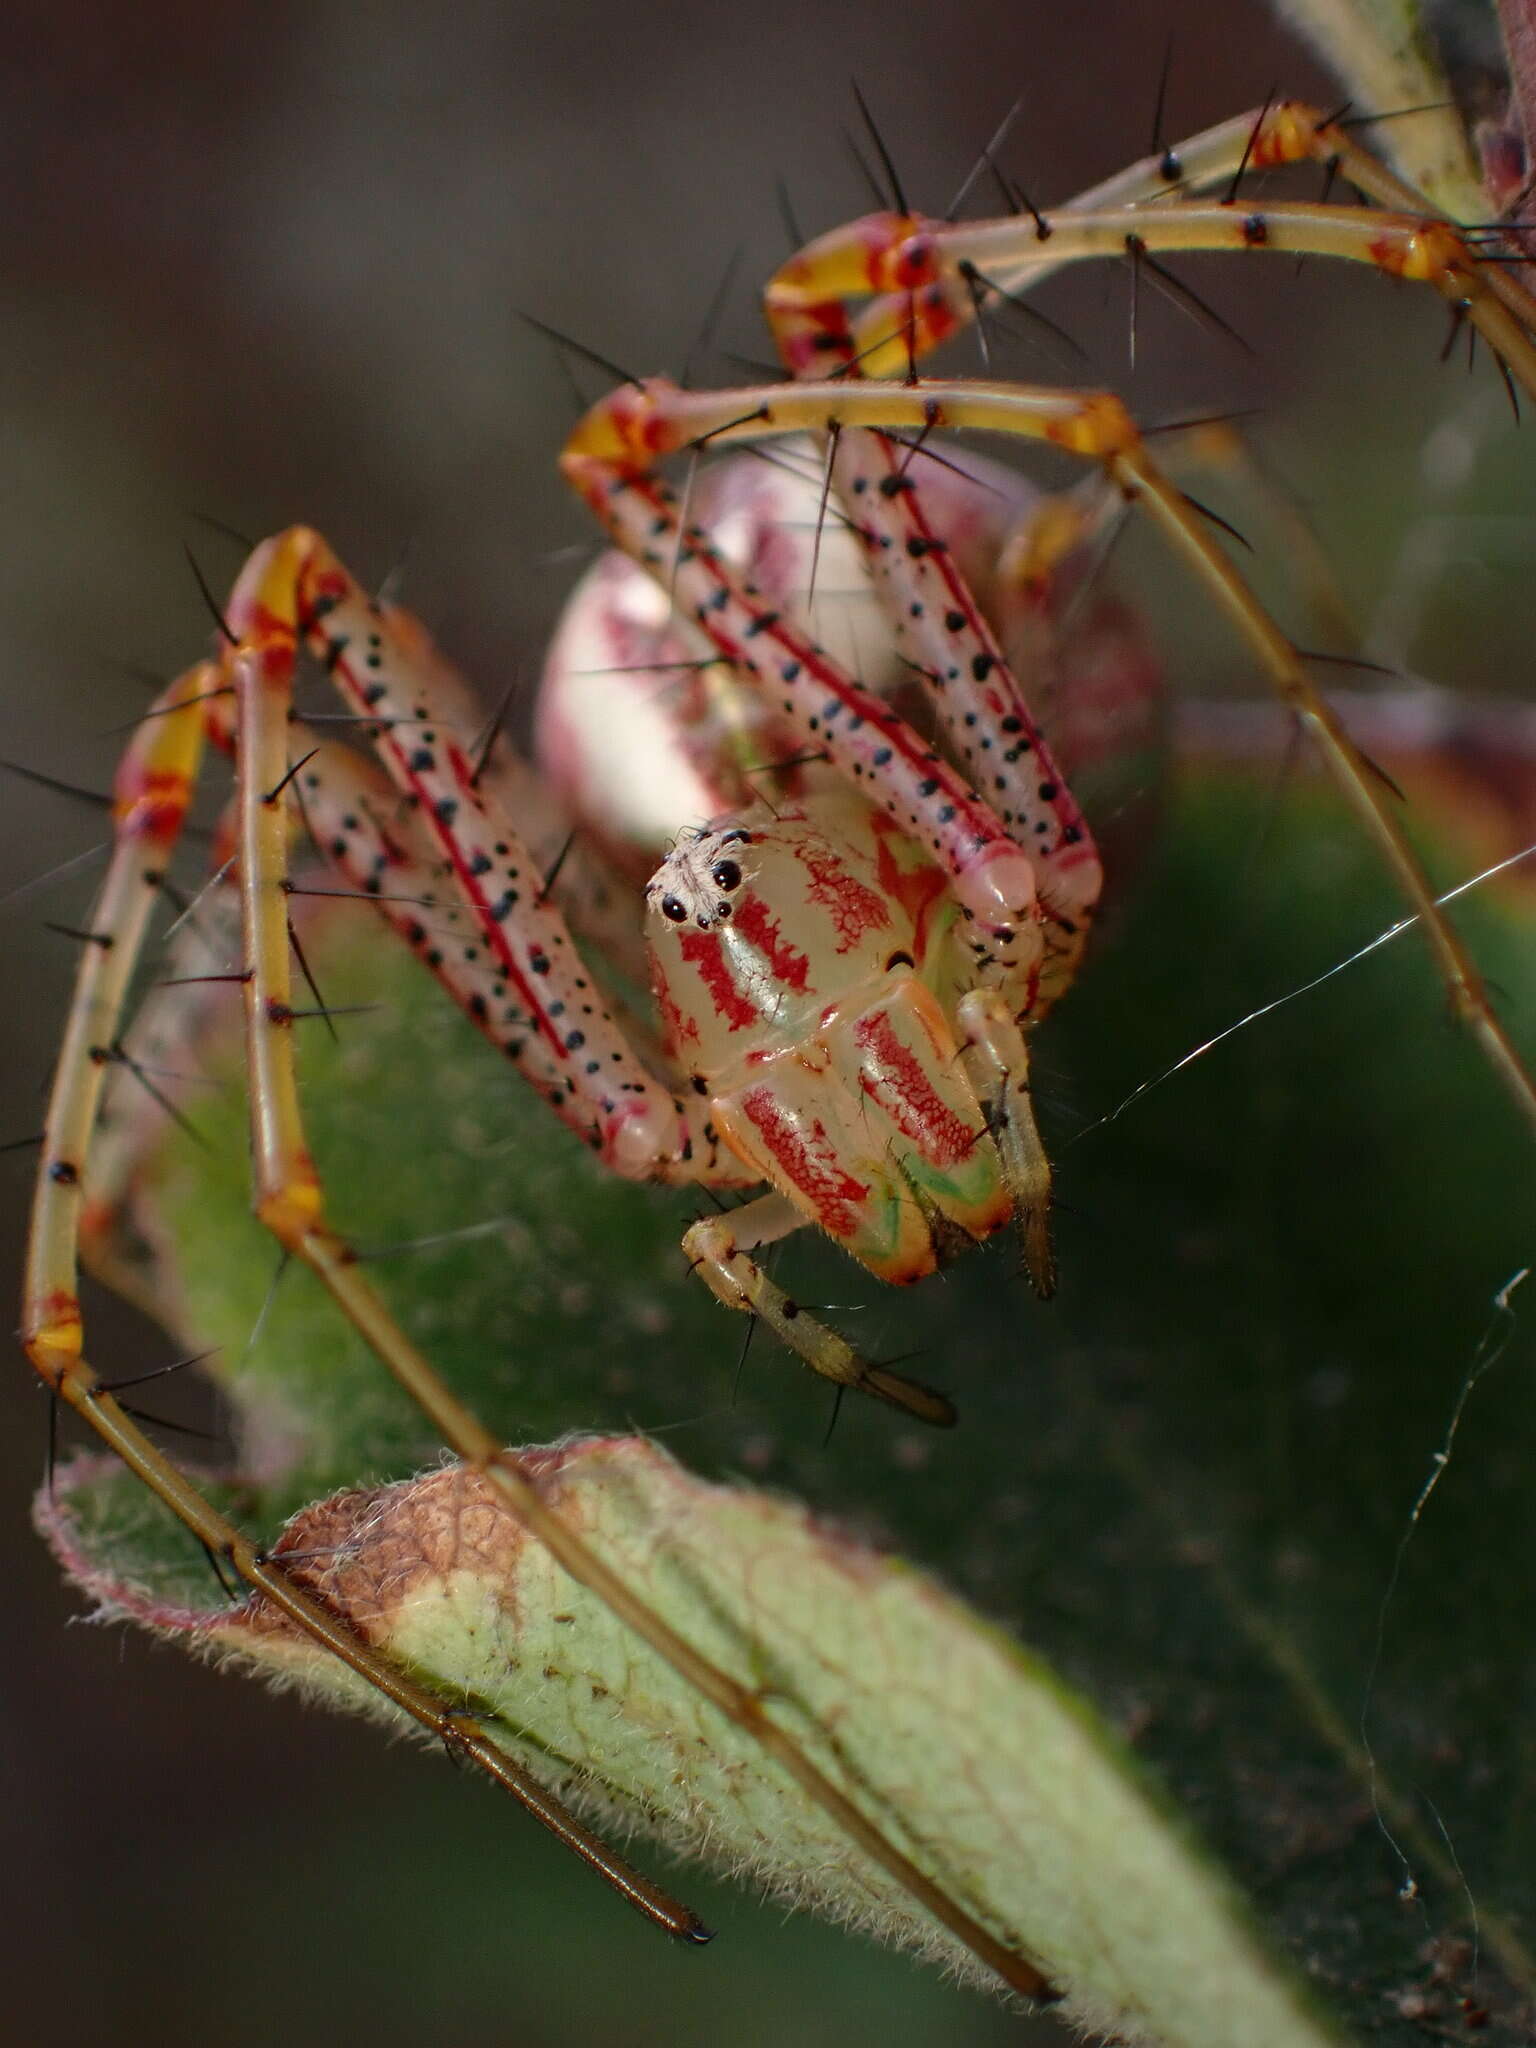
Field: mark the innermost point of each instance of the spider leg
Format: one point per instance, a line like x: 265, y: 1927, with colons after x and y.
x: 926, y: 280
x: 990, y: 726
x: 719, y: 1248
x: 537, y: 998
x: 375, y: 843
x: 153, y: 788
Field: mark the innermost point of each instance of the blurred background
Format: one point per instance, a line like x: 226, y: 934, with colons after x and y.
x: 262, y: 265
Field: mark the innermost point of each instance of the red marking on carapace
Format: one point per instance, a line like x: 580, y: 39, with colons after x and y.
x: 705, y: 954
x: 895, y: 1077
x: 917, y: 890
x: 789, y: 966
x: 852, y: 905
x: 807, y: 1162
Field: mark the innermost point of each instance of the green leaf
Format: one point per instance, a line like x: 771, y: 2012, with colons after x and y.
x: 967, y: 1749
x: 1184, y: 1484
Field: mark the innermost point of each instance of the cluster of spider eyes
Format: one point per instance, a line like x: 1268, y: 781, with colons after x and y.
x: 725, y: 875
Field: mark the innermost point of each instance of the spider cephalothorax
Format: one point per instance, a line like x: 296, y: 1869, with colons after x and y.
x: 820, y: 1014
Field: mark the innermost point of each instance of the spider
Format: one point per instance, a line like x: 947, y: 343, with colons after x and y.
x: 847, y: 966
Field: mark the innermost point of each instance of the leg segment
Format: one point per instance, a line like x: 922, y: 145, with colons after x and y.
x: 375, y: 843
x: 991, y: 729
x: 718, y: 1249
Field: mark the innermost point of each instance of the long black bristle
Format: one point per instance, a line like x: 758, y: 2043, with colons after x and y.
x: 94, y: 797
x: 555, y: 866
x: 1253, y: 135
x: 898, y: 196
x: 486, y: 744
x: 987, y: 159
x: 975, y: 277
x: 309, y: 981
x: 206, y: 593
x: 1168, y: 165
x: 122, y: 1057
x: 1216, y: 520
x: 1186, y: 298
x: 156, y: 1372
x: 714, y: 312
x: 579, y: 348
x: 277, y: 789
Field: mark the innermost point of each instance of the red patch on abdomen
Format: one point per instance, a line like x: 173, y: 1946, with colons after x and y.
x: 897, y: 1080
x: 810, y: 1165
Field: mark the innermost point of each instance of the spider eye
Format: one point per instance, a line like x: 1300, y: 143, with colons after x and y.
x: 673, y: 909
x: 726, y: 874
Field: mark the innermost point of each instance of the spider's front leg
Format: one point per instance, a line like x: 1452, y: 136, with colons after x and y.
x: 523, y: 980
